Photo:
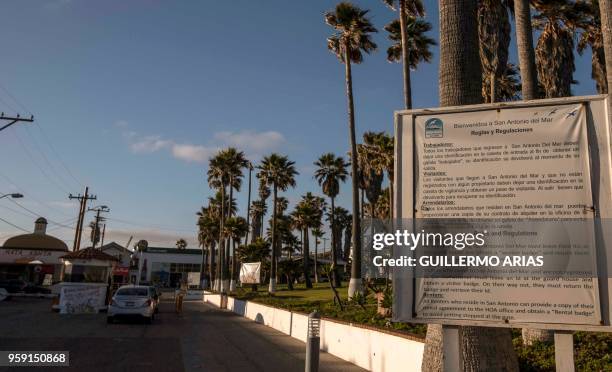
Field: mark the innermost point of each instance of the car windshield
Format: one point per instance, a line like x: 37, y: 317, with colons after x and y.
x: 132, y: 292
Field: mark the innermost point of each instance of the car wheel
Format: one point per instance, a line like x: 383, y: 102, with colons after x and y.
x: 110, y: 320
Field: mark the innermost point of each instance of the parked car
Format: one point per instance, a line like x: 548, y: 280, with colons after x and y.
x: 133, y: 301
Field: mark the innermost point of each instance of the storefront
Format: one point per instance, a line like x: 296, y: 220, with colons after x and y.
x: 165, y: 267
x: 33, y: 258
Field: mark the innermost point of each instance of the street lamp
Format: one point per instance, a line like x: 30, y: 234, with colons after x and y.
x: 13, y: 195
x: 313, y: 342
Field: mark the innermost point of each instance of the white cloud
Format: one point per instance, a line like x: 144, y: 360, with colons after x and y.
x: 150, y: 144
x: 193, y: 153
x: 252, y: 143
x: 121, y: 123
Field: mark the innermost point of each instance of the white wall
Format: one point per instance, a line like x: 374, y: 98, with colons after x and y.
x: 369, y: 349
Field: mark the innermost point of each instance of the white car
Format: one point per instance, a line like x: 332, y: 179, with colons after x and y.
x: 133, y: 300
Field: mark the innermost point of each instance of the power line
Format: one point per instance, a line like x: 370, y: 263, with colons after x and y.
x: 158, y: 227
x: 12, y: 224
x: 39, y: 215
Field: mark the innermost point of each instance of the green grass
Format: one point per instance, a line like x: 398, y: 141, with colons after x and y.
x: 321, y: 298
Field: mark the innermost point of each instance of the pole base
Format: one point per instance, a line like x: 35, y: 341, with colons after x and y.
x: 272, y: 286
x: 232, y: 285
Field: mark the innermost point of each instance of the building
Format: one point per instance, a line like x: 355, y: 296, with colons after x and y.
x: 89, y: 265
x: 34, y: 258
x: 165, y: 267
x: 124, y: 255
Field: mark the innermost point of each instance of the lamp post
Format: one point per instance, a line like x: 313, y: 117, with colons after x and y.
x: 313, y: 342
x: 13, y: 195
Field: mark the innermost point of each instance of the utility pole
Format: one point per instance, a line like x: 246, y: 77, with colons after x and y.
x: 98, y: 210
x: 14, y: 119
x: 103, y: 232
x: 83, y: 207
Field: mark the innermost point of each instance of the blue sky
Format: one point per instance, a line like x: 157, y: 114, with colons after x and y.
x: 132, y: 97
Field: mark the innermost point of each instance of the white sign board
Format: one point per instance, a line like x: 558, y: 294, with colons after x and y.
x: 503, y: 161
x: 79, y: 299
x: 250, y: 273
x: 193, y: 279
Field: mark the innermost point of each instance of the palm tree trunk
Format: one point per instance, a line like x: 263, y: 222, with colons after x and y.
x: 460, y: 84
x: 272, y: 286
x: 606, y: 31
x: 248, y: 215
x: 221, y: 258
x: 316, y: 257
x: 203, y: 264
x: 211, y: 265
x: 228, y: 257
x: 355, y: 285
x: 335, y: 275
x: 493, y: 88
x: 306, y: 258
x: 526, y: 54
x: 405, y: 62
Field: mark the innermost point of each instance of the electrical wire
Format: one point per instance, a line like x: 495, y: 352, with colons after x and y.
x: 12, y: 224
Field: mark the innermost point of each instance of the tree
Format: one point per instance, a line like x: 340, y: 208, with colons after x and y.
x: 235, y: 229
x: 94, y: 236
x: 418, y: 47
x: 606, y: 31
x: 494, y: 36
x: 141, y: 245
x: 208, y: 235
x: 526, y: 54
x: 557, y: 20
x: 306, y: 216
x: 592, y: 37
x: 317, y: 233
x: 277, y: 172
x: 404, y: 33
x: 460, y: 84
x: 181, y: 244
x: 508, y: 86
x: 331, y: 170
x: 352, y: 37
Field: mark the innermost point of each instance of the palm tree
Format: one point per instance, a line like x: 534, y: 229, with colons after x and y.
x: 317, y: 233
x: 406, y: 32
x: 331, y: 170
x: 508, y: 85
x: 557, y: 20
x: 307, y: 215
x: 526, y: 54
x: 181, y: 244
x: 235, y: 229
x: 352, y: 37
x: 592, y: 37
x: 277, y: 172
x: 494, y: 36
x: 258, y: 210
x: 208, y: 234
x: 460, y: 84
x: 380, y: 147
x: 418, y: 44
x: 606, y: 31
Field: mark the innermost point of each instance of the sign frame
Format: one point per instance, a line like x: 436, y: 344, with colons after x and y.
x: 599, y: 133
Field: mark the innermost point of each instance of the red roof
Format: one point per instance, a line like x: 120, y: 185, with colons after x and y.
x: 89, y: 254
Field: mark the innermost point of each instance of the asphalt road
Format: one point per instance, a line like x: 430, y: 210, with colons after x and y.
x: 203, y: 338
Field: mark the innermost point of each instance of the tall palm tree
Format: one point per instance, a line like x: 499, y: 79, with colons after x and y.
x: 317, y: 233
x: 208, y: 235
x: 277, y: 172
x: 606, y: 31
x: 406, y: 33
x: 235, y: 229
x: 236, y: 162
x: 460, y: 84
x: 307, y: 215
x: 352, y: 37
x: 494, y: 35
x: 258, y: 210
x: 417, y: 50
x: 592, y: 37
x: 557, y: 20
x: 526, y: 54
x: 331, y: 170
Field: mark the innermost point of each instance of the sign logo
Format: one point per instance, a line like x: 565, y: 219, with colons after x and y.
x: 434, y: 128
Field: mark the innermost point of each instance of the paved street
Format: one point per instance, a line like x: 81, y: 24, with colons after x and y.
x: 203, y: 338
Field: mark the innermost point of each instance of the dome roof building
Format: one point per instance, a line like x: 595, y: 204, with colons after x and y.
x: 36, y: 240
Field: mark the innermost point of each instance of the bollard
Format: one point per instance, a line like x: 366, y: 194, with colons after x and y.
x: 313, y: 342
